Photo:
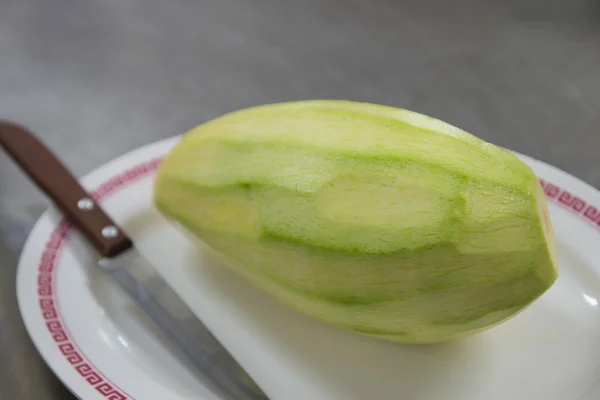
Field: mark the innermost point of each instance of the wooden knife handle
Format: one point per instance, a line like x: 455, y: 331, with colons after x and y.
x: 51, y: 176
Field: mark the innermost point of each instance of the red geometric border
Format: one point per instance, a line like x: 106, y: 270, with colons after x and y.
x: 578, y: 206
x: 47, y: 294
x: 48, y: 268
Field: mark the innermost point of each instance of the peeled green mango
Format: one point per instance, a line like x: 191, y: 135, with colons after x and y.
x: 375, y: 219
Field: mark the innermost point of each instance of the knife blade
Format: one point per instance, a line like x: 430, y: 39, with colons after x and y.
x: 122, y: 261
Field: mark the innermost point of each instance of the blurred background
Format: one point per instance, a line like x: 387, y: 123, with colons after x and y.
x: 97, y: 78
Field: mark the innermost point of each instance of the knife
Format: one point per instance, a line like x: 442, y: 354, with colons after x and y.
x: 132, y: 272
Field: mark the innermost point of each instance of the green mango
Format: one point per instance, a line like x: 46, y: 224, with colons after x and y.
x: 375, y: 219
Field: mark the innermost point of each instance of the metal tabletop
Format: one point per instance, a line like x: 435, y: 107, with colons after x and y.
x: 97, y: 78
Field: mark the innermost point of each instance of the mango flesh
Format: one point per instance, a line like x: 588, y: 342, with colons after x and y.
x: 375, y: 219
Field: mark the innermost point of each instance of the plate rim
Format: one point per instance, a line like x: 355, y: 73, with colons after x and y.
x: 53, y: 222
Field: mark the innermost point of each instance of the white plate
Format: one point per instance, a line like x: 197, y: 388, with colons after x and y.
x: 101, y: 347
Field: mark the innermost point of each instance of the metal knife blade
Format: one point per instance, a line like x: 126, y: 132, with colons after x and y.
x: 132, y: 272
x: 158, y: 300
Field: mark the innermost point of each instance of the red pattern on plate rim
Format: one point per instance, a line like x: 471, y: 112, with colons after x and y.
x: 47, y: 294
x: 566, y: 199
x: 47, y: 272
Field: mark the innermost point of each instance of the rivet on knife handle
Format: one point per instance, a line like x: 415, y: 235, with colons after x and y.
x: 51, y: 176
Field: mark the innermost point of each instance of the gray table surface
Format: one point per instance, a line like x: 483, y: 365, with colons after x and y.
x: 97, y: 78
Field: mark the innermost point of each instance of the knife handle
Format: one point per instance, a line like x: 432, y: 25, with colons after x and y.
x: 53, y: 178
